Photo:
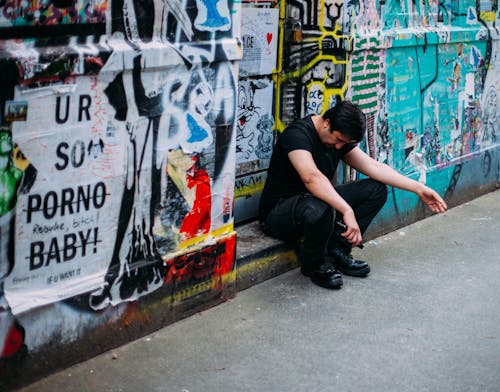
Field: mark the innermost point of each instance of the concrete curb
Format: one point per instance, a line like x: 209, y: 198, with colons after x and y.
x: 259, y: 257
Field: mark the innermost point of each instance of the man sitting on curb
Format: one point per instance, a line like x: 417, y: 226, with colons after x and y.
x: 299, y: 199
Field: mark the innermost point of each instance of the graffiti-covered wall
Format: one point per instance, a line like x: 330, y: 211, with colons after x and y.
x: 426, y: 74
x: 118, y: 160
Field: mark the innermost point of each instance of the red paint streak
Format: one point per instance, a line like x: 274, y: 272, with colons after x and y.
x: 197, y: 221
x: 226, y: 261
x: 13, y: 341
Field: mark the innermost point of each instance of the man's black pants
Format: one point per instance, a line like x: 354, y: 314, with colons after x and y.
x: 306, y: 216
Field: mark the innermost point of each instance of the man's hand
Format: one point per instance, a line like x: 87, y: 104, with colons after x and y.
x: 432, y: 199
x: 385, y: 174
x: 352, y: 233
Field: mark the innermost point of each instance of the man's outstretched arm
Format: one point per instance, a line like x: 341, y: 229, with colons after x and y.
x: 387, y: 175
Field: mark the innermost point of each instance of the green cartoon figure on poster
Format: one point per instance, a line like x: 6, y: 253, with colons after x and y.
x: 10, y: 176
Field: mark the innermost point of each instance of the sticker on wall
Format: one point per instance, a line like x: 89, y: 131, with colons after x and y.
x: 213, y: 15
x: 254, y: 134
x: 16, y: 111
x: 259, y: 33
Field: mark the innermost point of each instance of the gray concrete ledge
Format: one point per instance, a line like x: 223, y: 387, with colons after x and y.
x: 259, y: 257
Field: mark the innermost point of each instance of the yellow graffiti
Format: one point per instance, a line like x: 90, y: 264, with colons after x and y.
x: 199, y: 288
x: 325, y: 37
x: 488, y: 16
x: 20, y: 161
x: 255, y: 266
x: 192, y: 291
x: 248, y: 190
x: 224, y: 230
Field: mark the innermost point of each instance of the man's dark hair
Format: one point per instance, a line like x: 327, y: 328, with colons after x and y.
x: 348, y: 119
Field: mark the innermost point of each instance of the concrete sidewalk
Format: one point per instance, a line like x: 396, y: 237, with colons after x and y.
x: 426, y: 319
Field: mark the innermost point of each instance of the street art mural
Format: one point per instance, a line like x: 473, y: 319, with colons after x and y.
x: 118, y: 161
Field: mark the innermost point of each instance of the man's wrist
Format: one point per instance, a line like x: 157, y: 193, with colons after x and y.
x: 419, y: 188
x: 347, y: 211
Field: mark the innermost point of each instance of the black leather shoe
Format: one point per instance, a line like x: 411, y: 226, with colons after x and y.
x: 323, y: 275
x: 343, y: 261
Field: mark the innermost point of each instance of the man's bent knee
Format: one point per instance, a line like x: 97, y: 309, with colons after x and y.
x: 381, y: 191
x: 317, y: 211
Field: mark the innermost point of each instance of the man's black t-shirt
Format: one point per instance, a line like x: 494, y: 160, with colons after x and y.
x: 283, y: 181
